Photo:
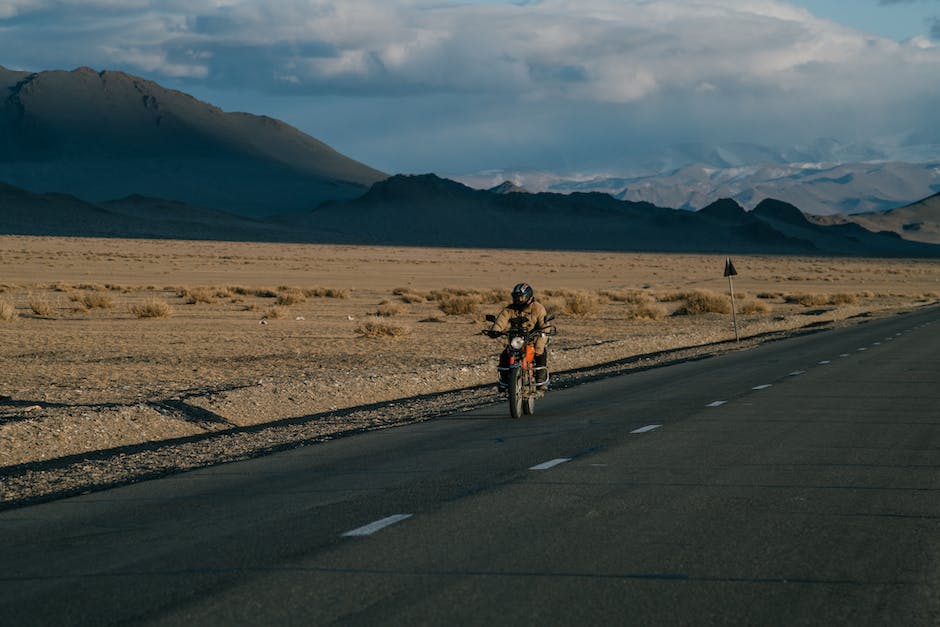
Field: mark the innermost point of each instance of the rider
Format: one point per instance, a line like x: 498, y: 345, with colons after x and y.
x: 524, y: 304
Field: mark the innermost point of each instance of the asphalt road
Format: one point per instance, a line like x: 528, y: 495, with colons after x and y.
x: 795, y: 483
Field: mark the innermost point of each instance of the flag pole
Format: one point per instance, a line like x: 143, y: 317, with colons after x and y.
x: 730, y: 271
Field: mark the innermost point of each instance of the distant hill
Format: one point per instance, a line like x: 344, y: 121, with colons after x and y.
x: 103, y: 135
x: 426, y: 210
x: 816, y: 187
x: 918, y: 222
x: 27, y: 213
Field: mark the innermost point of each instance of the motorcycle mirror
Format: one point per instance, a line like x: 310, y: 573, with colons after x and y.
x: 490, y: 318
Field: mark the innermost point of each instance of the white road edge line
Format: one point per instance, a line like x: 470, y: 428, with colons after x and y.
x: 646, y: 429
x: 368, y: 530
x: 716, y: 404
x: 551, y: 463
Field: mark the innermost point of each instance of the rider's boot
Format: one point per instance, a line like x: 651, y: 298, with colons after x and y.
x: 541, y: 374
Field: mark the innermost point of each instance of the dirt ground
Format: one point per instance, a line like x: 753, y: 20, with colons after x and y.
x: 256, y: 332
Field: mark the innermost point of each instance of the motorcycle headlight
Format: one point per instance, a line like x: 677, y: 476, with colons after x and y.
x: 517, y: 342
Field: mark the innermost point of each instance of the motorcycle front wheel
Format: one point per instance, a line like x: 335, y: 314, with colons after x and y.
x: 528, y: 406
x: 515, y: 393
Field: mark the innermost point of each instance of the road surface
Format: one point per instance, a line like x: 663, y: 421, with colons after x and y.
x: 795, y: 483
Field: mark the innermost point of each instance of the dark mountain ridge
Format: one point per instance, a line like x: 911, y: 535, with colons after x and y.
x: 426, y: 210
x: 101, y: 135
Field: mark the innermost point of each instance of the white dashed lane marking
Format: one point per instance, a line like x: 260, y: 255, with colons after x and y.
x: 761, y: 387
x: 716, y: 404
x: 646, y: 429
x: 368, y: 530
x: 797, y: 373
x: 826, y: 361
x: 550, y: 464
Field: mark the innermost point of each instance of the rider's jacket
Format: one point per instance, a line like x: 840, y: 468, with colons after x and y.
x: 534, y: 314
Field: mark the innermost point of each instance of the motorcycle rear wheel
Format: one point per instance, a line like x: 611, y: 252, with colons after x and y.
x: 515, y: 393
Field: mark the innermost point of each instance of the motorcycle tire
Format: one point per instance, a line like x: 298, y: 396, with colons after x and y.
x: 515, y: 393
x: 528, y: 406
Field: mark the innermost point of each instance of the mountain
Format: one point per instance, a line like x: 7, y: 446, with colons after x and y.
x: 103, y: 135
x: 815, y: 188
x: 820, y: 188
x: 426, y: 210
x: 508, y: 187
x: 918, y: 222
x: 26, y: 213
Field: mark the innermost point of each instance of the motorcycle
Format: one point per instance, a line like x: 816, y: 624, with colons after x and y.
x: 520, y: 373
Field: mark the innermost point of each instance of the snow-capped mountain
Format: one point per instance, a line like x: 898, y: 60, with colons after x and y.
x: 823, y: 178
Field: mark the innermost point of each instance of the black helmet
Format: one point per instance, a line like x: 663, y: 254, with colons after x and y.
x: 522, y: 296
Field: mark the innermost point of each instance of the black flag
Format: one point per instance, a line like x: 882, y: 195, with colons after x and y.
x: 729, y: 268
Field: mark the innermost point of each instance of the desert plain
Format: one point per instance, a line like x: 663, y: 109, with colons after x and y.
x: 108, y: 344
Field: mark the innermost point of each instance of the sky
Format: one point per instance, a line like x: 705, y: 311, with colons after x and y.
x: 564, y: 85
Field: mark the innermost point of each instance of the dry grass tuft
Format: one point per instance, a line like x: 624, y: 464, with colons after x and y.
x: 152, y: 308
x: 291, y: 297
x: 754, y: 308
x: 275, y: 313
x: 647, y: 311
x: 265, y: 293
x: 94, y: 300
x: 388, y: 309
x: 196, y: 295
x: 7, y: 311
x: 703, y: 302
x: 843, y: 299
x: 581, y: 305
x: 458, y: 305
x: 818, y: 300
x: 379, y: 328
x: 326, y: 292
x: 41, y: 307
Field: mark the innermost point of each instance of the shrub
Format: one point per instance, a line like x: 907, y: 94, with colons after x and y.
x: 7, y: 311
x: 198, y: 295
x: 753, y: 307
x: 152, y: 308
x: 632, y: 297
x: 378, y: 328
x: 387, y: 309
x: 582, y: 305
x: 325, y: 292
x: 274, y: 313
x: 648, y: 311
x: 265, y: 293
x: 458, y: 305
x: 702, y: 302
x: 291, y: 297
x: 809, y: 300
x: 496, y: 296
x: 40, y: 306
x: 843, y: 299
x: 95, y: 300
x: 411, y: 297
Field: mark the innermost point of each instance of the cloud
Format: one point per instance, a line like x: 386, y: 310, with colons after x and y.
x: 555, y: 74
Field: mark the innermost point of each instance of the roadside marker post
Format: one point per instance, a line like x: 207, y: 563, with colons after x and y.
x: 730, y: 272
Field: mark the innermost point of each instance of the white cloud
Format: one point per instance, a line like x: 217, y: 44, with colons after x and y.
x: 720, y: 65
